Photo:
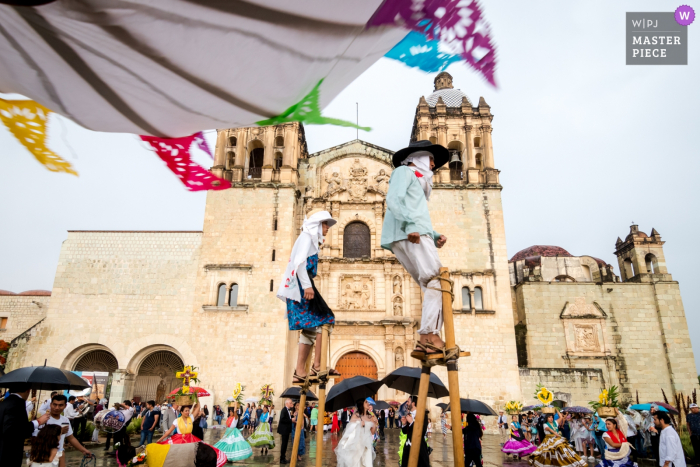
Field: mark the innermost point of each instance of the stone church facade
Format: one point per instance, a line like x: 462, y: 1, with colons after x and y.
x: 140, y: 304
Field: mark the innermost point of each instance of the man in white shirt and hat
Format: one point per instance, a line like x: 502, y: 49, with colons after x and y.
x: 409, y: 234
x: 306, y: 310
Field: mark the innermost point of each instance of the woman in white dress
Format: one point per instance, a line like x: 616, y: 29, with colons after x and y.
x: 355, y: 448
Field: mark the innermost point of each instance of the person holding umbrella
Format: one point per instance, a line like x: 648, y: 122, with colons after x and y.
x: 15, y: 427
x: 306, y: 310
x: 409, y: 234
x: 407, y: 430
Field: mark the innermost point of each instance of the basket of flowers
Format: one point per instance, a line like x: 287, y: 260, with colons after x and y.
x: 237, y: 395
x: 545, y: 396
x: 183, y: 396
x: 138, y: 460
x: 514, y: 407
x: 607, y: 402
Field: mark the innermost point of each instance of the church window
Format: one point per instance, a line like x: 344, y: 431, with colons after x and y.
x: 279, y: 141
x: 231, y: 156
x: 233, y: 297
x: 629, y: 270
x: 652, y: 264
x: 272, y: 285
x: 3, y: 323
x: 479, y: 161
x: 477, y: 142
x: 232, y: 141
x: 356, y: 241
x: 221, y: 300
x: 478, y: 299
x: 278, y: 160
x: 466, y: 299
x: 273, y: 255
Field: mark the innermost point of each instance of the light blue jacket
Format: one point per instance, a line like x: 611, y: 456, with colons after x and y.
x: 407, y: 209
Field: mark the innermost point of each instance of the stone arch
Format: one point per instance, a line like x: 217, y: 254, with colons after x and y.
x: 80, y: 352
x: 354, y: 363
x: 138, y: 358
x: 593, y: 267
x: 359, y: 347
x: 357, y: 218
x: 155, y: 374
x: 652, y: 264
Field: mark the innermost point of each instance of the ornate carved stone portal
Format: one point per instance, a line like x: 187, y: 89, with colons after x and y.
x: 398, y: 306
x: 586, y: 338
x: 358, y: 182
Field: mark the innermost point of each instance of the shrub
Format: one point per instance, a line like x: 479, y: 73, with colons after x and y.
x: 687, y: 445
x: 134, y: 426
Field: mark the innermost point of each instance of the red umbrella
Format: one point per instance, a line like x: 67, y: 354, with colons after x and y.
x: 670, y: 408
x: 201, y: 392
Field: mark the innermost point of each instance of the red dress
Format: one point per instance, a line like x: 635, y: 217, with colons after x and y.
x: 335, y: 428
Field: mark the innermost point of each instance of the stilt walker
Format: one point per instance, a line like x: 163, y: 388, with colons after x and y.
x: 408, y: 233
x: 308, y: 312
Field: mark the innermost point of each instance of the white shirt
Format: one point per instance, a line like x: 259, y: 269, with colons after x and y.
x: 60, y: 421
x: 502, y: 419
x: 44, y: 407
x: 128, y: 413
x: 29, y: 405
x: 670, y: 448
x: 70, y: 412
x: 273, y: 412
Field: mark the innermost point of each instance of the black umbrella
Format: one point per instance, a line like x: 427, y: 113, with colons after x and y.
x: 294, y: 393
x: 407, y: 379
x: 381, y: 405
x: 475, y: 406
x: 43, y: 378
x: 443, y: 406
x: 348, y: 391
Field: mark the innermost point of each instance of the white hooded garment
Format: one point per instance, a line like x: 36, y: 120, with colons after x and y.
x: 306, y: 245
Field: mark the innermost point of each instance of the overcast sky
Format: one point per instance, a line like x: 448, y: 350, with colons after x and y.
x: 585, y: 145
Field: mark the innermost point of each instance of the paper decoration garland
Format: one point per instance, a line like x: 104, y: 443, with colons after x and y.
x: 27, y: 121
x: 201, y: 143
x: 457, y: 24
x: 417, y: 51
x: 175, y: 152
x: 308, y: 111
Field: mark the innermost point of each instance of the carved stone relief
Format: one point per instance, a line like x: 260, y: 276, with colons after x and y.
x: 586, y: 337
x: 398, y: 357
x: 335, y: 183
x: 581, y: 309
x: 382, y: 180
x: 397, y: 285
x: 358, y: 182
x: 357, y: 292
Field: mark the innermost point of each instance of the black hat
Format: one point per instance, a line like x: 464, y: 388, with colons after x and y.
x: 440, y: 154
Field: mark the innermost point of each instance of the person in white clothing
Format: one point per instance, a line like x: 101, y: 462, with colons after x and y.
x: 355, y: 448
x: 46, y: 405
x: 503, y: 427
x: 59, y: 404
x: 670, y: 448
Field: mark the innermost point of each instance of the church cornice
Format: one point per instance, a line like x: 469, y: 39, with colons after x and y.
x: 336, y: 260
x: 468, y: 186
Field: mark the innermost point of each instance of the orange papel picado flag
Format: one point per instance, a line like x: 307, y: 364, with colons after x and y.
x: 27, y: 121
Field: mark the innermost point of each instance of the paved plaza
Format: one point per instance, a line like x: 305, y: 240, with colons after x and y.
x: 387, y: 454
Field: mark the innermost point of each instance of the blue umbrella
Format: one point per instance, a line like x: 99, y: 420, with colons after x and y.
x: 647, y: 407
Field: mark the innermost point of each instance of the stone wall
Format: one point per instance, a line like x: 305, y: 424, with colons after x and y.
x: 634, y: 333
x: 22, y: 312
x: 121, y: 291
x: 576, y: 386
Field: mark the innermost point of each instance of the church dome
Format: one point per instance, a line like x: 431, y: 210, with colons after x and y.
x: 6, y: 292
x: 450, y: 96
x: 540, y: 250
x: 44, y: 293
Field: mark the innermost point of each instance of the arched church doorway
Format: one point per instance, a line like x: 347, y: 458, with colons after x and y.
x: 155, y: 378
x: 96, y: 367
x: 354, y: 364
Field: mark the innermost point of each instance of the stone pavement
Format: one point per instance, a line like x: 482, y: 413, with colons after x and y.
x: 387, y: 454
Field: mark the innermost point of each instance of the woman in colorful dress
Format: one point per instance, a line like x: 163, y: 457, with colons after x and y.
x: 263, y: 437
x: 555, y: 450
x: 306, y: 310
x: 232, y: 443
x: 617, y: 449
x: 443, y: 424
x: 246, y: 418
x: 184, y: 424
x: 518, y: 445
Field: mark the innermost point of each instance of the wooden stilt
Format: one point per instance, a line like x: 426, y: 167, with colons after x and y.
x: 420, y: 416
x: 449, y: 360
x: 325, y: 336
x: 300, y: 414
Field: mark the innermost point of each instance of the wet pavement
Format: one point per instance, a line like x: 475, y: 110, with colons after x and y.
x: 387, y: 452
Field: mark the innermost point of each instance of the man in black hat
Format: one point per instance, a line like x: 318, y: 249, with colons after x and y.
x: 14, y: 426
x: 409, y: 234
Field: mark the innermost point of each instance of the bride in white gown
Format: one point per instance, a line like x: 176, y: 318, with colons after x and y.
x: 355, y: 447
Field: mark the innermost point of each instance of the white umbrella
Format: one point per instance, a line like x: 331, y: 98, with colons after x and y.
x: 251, y: 399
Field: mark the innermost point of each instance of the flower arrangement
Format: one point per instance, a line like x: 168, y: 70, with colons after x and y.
x: 607, y: 402
x: 267, y: 393
x: 4, y: 349
x: 514, y: 407
x: 546, y: 397
x: 188, y: 375
x: 138, y: 460
x: 237, y: 395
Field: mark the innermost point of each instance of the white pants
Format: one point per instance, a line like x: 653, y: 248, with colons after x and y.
x: 308, y: 336
x: 422, y: 263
